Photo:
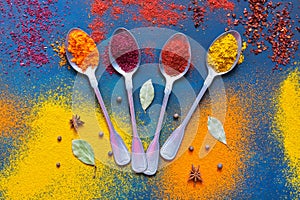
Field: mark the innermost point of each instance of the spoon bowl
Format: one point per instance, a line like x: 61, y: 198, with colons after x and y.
x: 120, y: 152
x: 170, y: 148
x: 113, y: 60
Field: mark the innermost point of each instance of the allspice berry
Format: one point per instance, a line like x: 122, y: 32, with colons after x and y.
x: 119, y: 99
x: 176, y: 116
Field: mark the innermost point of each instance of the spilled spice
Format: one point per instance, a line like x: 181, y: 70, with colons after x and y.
x: 150, y: 12
x: 29, y: 23
x: 216, y: 184
x: 34, y: 164
x: 287, y: 121
x: 83, y: 49
x: 60, y: 51
x: 175, y: 55
x: 278, y: 31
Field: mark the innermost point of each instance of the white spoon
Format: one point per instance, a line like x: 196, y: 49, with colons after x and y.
x: 138, y: 160
x: 170, y: 148
x: 120, y: 152
x: 153, y: 149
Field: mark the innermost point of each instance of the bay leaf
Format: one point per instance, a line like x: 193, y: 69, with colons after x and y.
x: 216, y: 129
x: 147, y: 94
x: 83, y: 151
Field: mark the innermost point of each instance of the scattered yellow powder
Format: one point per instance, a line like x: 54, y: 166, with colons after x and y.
x: 287, y: 120
x: 223, y: 53
x: 216, y: 184
x: 32, y: 172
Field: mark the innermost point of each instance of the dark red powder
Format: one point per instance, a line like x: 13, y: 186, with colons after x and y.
x: 30, y: 22
x: 125, y: 50
x: 175, y: 55
x: 260, y: 30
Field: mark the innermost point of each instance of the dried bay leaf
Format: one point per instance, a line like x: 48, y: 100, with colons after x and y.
x: 83, y: 151
x: 147, y: 94
x: 216, y: 129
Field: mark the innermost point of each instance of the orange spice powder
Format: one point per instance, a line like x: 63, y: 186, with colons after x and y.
x: 216, y: 183
x: 83, y: 49
x: 11, y: 115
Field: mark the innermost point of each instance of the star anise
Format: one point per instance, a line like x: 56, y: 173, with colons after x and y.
x: 76, y: 122
x: 195, y: 175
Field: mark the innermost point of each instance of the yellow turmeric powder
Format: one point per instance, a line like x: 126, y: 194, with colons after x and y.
x: 223, y: 53
x: 83, y: 49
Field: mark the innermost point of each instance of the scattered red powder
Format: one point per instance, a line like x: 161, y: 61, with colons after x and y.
x: 151, y: 12
x: 149, y: 55
x: 30, y: 22
x: 175, y: 55
x: 220, y: 4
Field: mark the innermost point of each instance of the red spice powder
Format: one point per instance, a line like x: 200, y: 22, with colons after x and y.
x: 220, y: 4
x: 175, y: 55
x: 29, y: 22
x: 151, y: 12
x: 125, y: 50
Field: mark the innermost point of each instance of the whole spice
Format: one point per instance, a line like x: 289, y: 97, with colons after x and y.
x: 198, y: 13
x: 146, y: 94
x: 220, y: 166
x: 195, y: 175
x: 191, y: 148
x: 175, y: 55
x: 176, y: 116
x: 119, y: 99
x: 223, y: 53
x: 58, y: 165
x: 269, y: 21
x: 76, y: 122
x: 125, y: 51
x: 59, y: 138
x: 83, y: 49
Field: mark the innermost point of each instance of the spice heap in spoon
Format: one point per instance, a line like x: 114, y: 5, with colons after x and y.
x: 222, y: 54
x: 83, y: 50
x: 175, y: 56
x: 125, y: 50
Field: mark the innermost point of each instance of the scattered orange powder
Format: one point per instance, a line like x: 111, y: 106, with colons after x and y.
x: 216, y: 184
x: 11, y: 115
x: 61, y: 52
x: 83, y: 49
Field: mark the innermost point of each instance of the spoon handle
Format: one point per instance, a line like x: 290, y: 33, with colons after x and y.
x: 153, y: 149
x: 170, y: 148
x: 139, y: 162
x: 120, y: 151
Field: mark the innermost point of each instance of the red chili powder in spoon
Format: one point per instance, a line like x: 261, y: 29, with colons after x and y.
x: 175, y: 55
x: 125, y: 51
